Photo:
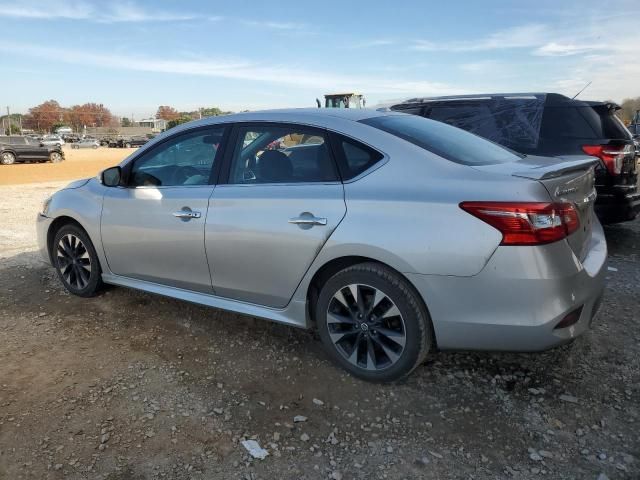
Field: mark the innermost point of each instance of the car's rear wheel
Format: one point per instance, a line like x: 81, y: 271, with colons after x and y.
x: 76, y: 261
x: 55, y: 157
x: 373, y: 323
x: 7, y: 158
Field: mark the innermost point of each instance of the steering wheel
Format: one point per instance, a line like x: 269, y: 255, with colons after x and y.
x: 182, y: 174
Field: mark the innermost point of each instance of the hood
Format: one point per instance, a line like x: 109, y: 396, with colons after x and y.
x: 77, y: 184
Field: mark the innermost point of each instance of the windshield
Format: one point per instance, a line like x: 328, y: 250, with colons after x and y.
x: 444, y: 140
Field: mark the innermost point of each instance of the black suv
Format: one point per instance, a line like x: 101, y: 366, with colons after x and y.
x: 550, y: 124
x: 24, y: 149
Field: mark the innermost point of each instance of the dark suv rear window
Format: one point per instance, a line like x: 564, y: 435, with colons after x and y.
x: 444, y: 140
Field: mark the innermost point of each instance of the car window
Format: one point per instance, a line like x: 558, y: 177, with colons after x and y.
x: 605, y: 123
x: 356, y: 158
x: 512, y: 122
x: 452, y: 143
x: 281, y: 154
x: 567, y: 122
x: 183, y: 160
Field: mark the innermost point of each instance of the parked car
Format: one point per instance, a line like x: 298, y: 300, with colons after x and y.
x: 551, y: 125
x: 86, y: 143
x: 132, y: 142
x: 391, y: 234
x: 49, y: 141
x: 25, y: 149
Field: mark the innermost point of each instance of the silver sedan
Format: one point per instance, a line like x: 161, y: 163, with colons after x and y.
x: 390, y: 234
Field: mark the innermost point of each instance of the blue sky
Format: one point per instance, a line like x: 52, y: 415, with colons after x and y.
x: 133, y: 55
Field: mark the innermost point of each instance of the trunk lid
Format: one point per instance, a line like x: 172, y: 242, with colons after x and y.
x: 567, y: 179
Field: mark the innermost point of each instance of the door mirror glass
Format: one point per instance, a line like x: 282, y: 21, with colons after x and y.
x: 111, y: 177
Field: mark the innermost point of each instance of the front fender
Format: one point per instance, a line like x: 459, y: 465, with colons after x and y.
x: 84, y: 205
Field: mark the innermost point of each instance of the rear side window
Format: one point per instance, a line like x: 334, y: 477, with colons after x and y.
x: 512, y: 122
x: 568, y: 122
x: 355, y: 158
x: 604, y: 122
x: 444, y: 140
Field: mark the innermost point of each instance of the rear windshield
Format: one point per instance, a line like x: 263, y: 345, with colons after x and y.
x: 444, y: 140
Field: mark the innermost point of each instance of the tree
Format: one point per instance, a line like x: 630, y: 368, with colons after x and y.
x: 45, y: 115
x: 167, y: 113
x: 89, y: 114
x: 125, y: 122
x: 629, y: 108
x: 182, y: 119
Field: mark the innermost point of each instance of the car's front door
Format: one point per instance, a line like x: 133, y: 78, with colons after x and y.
x: 153, y: 228
x: 281, y: 201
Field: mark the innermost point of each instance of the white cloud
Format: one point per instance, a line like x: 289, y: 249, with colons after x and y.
x: 516, y: 37
x: 119, y: 11
x: 275, y: 25
x: 554, y: 49
x: 236, y: 69
x: 376, y: 42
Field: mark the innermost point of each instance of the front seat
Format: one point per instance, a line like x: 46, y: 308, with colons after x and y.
x: 275, y: 167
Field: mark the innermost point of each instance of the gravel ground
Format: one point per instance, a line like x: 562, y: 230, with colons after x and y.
x: 128, y: 385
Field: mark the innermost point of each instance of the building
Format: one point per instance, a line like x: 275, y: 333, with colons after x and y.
x: 157, y: 125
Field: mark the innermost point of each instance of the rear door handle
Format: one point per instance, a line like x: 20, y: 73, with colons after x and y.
x: 186, y: 214
x: 308, y: 220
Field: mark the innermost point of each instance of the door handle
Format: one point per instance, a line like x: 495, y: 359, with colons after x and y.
x: 308, y: 220
x: 186, y: 214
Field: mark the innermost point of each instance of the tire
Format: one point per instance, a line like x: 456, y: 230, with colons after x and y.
x: 7, y: 158
x: 76, y: 264
x: 55, y: 157
x: 127, y: 145
x: 390, y: 340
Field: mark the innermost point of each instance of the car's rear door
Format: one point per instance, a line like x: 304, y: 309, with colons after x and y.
x: 21, y: 147
x: 153, y: 229
x: 281, y: 201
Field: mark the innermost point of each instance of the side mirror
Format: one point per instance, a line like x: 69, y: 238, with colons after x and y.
x: 111, y: 177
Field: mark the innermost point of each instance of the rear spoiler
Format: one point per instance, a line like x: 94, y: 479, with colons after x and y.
x: 545, y: 170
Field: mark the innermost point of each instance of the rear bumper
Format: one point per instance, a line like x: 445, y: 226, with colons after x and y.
x: 517, y: 300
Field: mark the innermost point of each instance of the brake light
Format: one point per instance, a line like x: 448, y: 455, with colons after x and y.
x: 612, y: 156
x: 527, y: 223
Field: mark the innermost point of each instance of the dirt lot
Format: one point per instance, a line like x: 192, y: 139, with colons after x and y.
x: 128, y: 385
x: 78, y: 164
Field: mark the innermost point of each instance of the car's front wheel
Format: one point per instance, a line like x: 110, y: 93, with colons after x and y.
x: 373, y: 323
x: 76, y: 261
x: 7, y: 158
x: 55, y: 157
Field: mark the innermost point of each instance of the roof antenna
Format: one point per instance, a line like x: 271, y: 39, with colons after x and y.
x: 585, y: 87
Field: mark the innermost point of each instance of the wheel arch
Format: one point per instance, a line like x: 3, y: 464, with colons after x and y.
x: 333, y: 266
x: 56, y: 225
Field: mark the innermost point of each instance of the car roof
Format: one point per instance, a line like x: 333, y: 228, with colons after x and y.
x: 321, y: 117
x: 549, y: 99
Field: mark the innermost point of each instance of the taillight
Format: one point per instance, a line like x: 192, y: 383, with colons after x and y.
x: 527, y: 223
x: 611, y: 155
